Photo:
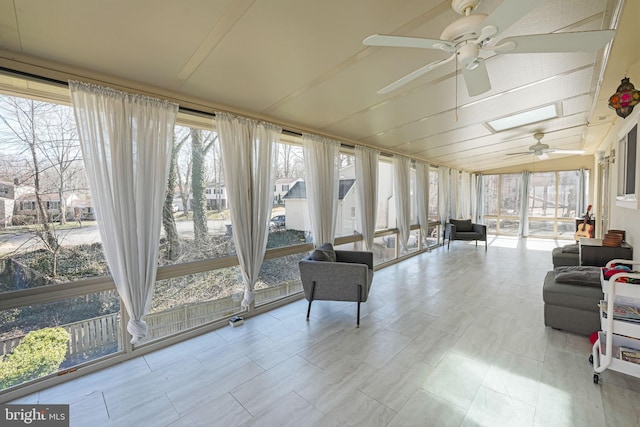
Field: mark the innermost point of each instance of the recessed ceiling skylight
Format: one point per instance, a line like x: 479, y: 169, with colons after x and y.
x: 525, y: 118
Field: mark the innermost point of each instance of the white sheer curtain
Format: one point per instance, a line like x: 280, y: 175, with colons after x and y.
x: 444, y: 206
x: 582, y: 192
x: 524, y: 204
x: 367, y: 184
x: 321, y: 159
x: 126, y: 143
x: 480, y: 199
x: 422, y: 197
x: 454, y: 188
x: 401, y: 182
x: 474, y: 197
x: 465, y: 195
x: 249, y: 157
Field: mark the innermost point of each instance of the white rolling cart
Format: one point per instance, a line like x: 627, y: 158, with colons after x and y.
x: 616, y: 333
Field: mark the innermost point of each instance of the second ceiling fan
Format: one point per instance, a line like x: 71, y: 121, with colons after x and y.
x: 541, y: 150
x: 465, y: 37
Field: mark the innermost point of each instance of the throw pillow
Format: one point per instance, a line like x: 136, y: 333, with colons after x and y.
x: 578, y: 275
x: 324, y: 252
x: 571, y: 249
x: 462, y: 225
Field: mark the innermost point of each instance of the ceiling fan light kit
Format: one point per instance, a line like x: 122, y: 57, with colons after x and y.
x: 467, y: 36
x: 625, y: 98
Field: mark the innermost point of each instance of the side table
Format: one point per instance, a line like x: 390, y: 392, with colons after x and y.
x: 593, y: 252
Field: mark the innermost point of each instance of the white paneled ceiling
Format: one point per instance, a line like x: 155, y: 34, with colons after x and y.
x: 302, y: 64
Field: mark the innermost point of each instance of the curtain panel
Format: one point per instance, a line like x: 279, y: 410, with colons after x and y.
x: 401, y: 183
x: 422, y: 197
x: 249, y: 156
x: 321, y: 159
x: 582, y: 192
x: 126, y: 142
x: 444, y: 206
x: 479, y: 217
x: 465, y: 195
x: 454, y: 189
x: 523, y: 230
x: 367, y: 185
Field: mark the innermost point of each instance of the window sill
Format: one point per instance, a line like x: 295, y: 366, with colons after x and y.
x: 629, y: 201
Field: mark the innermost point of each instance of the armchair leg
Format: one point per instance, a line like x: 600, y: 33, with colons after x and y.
x: 313, y: 288
x: 359, y: 298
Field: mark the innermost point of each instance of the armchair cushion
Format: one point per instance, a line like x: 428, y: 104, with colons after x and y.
x: 324, y: 252
x: 462, y: 225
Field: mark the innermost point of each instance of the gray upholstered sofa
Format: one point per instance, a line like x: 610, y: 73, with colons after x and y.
x: 571, y: 295
x: 464, y: 229
x: 335, y: 275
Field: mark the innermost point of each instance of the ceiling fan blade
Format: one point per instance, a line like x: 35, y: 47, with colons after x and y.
x: 582, y: 41
x: 508, y: 12
x: 561, y: 151
x: 400, y: 41
x: 477, y: 79
x: 414, y: 75
x: 520, y: 153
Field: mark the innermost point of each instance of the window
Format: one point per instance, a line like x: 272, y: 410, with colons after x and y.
x: 285, y: 187
x: 627, y: 164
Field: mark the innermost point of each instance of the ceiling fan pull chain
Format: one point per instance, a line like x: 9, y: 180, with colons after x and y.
x: 455, y: 110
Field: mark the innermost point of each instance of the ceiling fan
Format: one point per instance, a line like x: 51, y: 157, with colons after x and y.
x: 465, y: 37
x: 541, y: 150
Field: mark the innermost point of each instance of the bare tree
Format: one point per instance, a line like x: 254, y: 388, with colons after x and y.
x: 198, y: 187
x: 168, y: 221
x: 61, y: 153
x: 25, y: 119
x: 291, y: 161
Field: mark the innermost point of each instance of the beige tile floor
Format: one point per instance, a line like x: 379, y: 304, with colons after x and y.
x: 449, y: 338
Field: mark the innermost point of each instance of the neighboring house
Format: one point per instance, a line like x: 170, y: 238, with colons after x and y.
x: 297, y: 210
x: 7, y: 195
x: 26, y: 204
x: 216, y: 195
x: 7, y: 190
x: 282, y: 187
x: 79, y: 205
x: 6, y: 211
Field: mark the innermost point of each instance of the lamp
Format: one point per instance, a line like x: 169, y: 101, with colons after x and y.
x: 625, y: 98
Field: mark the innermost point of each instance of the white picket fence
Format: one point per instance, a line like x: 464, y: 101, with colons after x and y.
x: 102, y: 335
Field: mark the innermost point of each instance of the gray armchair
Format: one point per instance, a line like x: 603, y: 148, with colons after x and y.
x: 334, y: 275
x: 464, y: 229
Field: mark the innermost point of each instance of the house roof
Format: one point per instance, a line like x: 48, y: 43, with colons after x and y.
x: 299, y: 189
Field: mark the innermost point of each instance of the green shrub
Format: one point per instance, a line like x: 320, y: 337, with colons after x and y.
x: 39, y: 353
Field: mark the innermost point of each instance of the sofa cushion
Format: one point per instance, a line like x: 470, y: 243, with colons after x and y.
x: 571, y: 249
x: 462, y: 225
x: 324, y: 252
x: 578, y: 275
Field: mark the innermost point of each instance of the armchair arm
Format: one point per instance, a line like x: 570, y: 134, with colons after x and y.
x: 480, y: 228
x: 450, y: 231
